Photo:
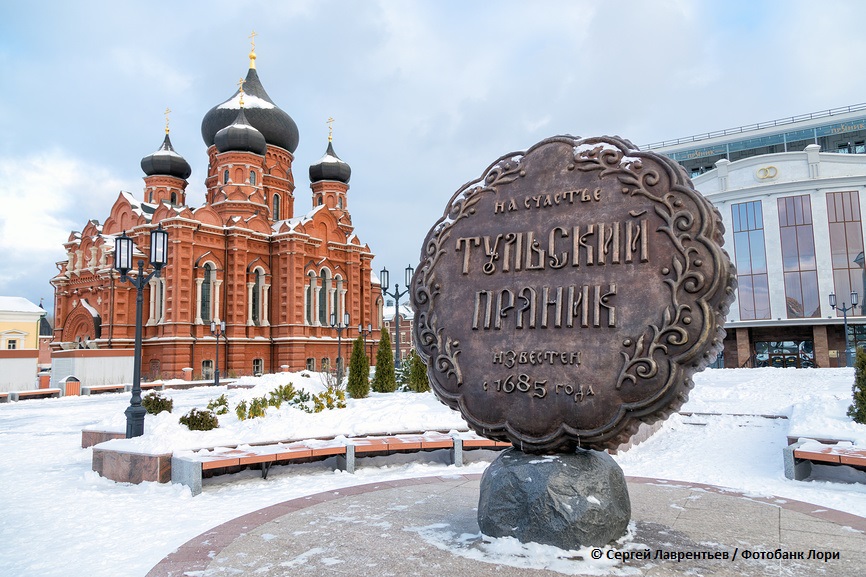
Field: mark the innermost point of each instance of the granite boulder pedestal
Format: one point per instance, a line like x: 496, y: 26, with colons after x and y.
x: 566, y: 500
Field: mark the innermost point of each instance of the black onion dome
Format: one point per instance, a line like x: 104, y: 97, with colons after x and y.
x: 166, y: 161
x: 330, y: 167
x: 240, y: 136
x: 276, y: 126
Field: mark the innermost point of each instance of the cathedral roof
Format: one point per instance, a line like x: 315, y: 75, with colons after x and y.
x: 330, y: 167
x: 240, y: 136
x: 166, y: 161
x: 276, y: 126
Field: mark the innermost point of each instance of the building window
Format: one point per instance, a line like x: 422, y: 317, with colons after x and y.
x: 207, y: 369
x: 258, y: 366
x: 326, y: 364
x: 846, y: 242
x: 253, y: 177
x: 173, y: 198
x: 310, y: 298
x: 798, y: 257
x: 256, y: 300
x: 753, y: 292
x: 206, y: 293
x: 311, y: 364
x: 226, y: 176
x: 324, y: 319
x: 276, y: 214
x: 157, y: 301
x: 319, y: 201
x: 11, y: 344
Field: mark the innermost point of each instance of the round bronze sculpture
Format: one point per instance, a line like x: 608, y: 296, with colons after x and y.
x: 570, y: 293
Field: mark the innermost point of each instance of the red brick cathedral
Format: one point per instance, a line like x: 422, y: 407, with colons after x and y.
x: 243, y: 257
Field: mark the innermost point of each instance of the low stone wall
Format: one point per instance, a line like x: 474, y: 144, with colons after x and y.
x: 131, y: 467
x: 90, y: 438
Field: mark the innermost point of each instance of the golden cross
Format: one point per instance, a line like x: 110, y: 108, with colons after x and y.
x: 167, y: 112
x: 330, y: 124
x: 252, y: 38
x: 241, y: 90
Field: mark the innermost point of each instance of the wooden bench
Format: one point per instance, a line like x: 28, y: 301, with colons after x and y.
x: 800, y: 456
x: 34, y: 394
x: 189, y: 468
x: 97, y: 389
x: 4, y: 397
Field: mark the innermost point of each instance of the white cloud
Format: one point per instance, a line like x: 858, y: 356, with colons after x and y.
x: 44, y: 197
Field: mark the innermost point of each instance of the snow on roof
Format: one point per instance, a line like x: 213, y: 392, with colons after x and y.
x: 93, y: 312
x: 406, y: 312
x: 329, y: 158
x: 250, y: 101
x: 19, y: 305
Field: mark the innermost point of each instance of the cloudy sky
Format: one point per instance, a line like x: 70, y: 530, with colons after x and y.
x: 425, y: 93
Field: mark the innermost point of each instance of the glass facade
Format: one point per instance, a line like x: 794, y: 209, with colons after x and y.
x: 780, y: 354
x: 846, y: 244
x: 798, y: 257
x: 753, y: 292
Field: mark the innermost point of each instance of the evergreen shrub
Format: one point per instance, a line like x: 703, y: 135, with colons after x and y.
x: 857, y: 410
x: 358, y: 384
x: 198, y: 420
x: 155, y: 403
x: 219, y: 405
x: 384, y: 381
x: 417, y: 374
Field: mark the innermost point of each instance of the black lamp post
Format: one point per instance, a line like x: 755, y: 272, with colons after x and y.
x: 123, y: 248
x: 364, y: 332
x: 384, y: 277
x: 340, y: 328
x: 217, y: 328
x: 849, y: 354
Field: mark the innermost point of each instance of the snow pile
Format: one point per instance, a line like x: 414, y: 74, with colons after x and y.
x: 389, y: 413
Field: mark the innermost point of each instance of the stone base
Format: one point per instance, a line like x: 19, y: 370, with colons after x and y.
x: 569, y: 501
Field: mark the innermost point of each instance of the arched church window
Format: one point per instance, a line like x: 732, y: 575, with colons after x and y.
x: 206, y: 293
x: 257, y: 297
x: 340, y: 203
x: 319, y: 201
x: 226, y: 176
x: 173, y: 198
x: 310, y: 294
x: 253, y: 177
x: 323, y: 297
x: 276, y: 207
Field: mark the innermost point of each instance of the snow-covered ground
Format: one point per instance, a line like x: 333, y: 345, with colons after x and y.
x: 60, y: 518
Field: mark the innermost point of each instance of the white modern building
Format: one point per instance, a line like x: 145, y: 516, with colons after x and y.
x: 791, y: 194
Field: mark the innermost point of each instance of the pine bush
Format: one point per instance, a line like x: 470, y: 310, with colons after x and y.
x: 384, y: 381
x: 358, y: 385
x: 198, y: 420
x: 219, y: 405
x: 154, y: 403
x: 857, y: 410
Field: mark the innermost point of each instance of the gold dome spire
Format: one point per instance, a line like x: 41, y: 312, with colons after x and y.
x: 252, y: 38
x: 167, y: 112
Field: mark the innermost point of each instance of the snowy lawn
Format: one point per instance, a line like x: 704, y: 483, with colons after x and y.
x: 60, y: 518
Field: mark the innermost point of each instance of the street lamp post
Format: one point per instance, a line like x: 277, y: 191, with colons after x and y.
x: 123, y: 248
x: 364, y: 332
x: 217, y: 328
x: 384, y: 277
x: 849, y: 354
x: 340, y: 327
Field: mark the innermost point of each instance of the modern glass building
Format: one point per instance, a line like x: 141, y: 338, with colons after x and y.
x: 791, y: 193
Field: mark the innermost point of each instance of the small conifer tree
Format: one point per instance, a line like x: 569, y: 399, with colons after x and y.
x: 384, y: 381
x: 417, y: 373
x: 857, y: 410
x: 359, y: 371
